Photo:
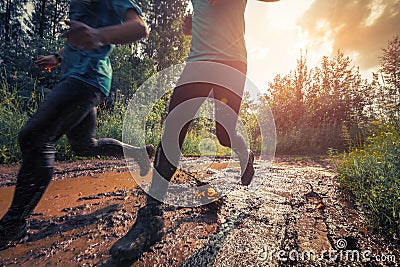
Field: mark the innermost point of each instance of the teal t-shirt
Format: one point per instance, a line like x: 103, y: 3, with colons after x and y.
x: 93, y: 66
x: 218, y: 31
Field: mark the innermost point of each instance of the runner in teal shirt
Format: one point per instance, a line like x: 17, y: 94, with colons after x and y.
x: 93, y: 66
x: 70, y: 108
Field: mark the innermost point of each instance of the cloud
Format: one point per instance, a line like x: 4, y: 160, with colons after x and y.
x: 359, y: 28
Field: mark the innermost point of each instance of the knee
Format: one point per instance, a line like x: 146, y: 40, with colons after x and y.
x: 32, y: 140
x: 28, y: 139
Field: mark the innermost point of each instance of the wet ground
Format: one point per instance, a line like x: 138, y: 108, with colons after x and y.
x: 292, y: 216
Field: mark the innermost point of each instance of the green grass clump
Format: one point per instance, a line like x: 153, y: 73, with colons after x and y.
x: 310, y: 140
x: 15, y: 111
x: 372, y: 174
x: 11, y: 120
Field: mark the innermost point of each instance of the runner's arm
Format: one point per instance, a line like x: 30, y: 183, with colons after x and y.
x: 48, y: 62
x: 85, y: 37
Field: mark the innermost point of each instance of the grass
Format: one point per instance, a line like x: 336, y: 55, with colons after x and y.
x: 310, y: 140
x: 371, y: 173
x: 11, y: 120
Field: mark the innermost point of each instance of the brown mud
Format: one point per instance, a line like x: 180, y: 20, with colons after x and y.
x: 297, y: 211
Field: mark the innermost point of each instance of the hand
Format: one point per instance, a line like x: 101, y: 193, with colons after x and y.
x: 46, y: 63
x: 82, y: 36
x: 187, y: 25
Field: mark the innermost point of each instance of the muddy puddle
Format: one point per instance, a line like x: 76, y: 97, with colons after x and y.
x: 294, y: 211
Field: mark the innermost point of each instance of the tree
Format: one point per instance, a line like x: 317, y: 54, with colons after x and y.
x: 23, y: 38
x: 390, y: 70
x: 286, y: 95
x: 47, y: 16
x: 12, y: 37
x: 311, y: 107
x: 11, y: 12
x: 335, y: 96
x: 166, y: 44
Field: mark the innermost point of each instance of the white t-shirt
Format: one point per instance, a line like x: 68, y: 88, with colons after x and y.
x: 218, y: 31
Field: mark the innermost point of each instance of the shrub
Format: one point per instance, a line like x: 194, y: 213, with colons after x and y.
x: 12, y: 118
x: 310, y: 140
x: 372, y: 174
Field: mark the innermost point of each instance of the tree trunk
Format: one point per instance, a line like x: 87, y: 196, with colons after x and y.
x: 42, y: 21
x: 55, y: 12
x: 7, y: 22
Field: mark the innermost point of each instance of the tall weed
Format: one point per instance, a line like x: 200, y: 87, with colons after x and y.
x: 371, y: 173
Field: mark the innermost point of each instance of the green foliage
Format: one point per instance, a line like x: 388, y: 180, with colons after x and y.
x: 11, y: 29
x: 311, y: 106
x: 203, y: 143
x: 45, y: 20
x: 306, y: 140
x: 167, y: 45
x: 389, y: 92
x: 11, y: 119
x: 15, y: 110
x: 110, y: 121
x: 129, y: 71
x: 390, y: 68
x: 371, y: 170
x: 21, y: 42
x: 372, y: 174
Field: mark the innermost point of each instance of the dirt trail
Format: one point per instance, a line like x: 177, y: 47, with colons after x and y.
x: 295, y: 217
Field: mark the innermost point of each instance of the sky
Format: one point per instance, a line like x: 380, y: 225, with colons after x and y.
x: 276, y: 32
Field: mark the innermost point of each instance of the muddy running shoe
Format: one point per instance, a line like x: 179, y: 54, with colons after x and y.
x: 12, y: 235
x: 248, y: 173
x: 147, y: 230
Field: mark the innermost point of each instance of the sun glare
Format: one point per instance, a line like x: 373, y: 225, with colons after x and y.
x: 273, y: 38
